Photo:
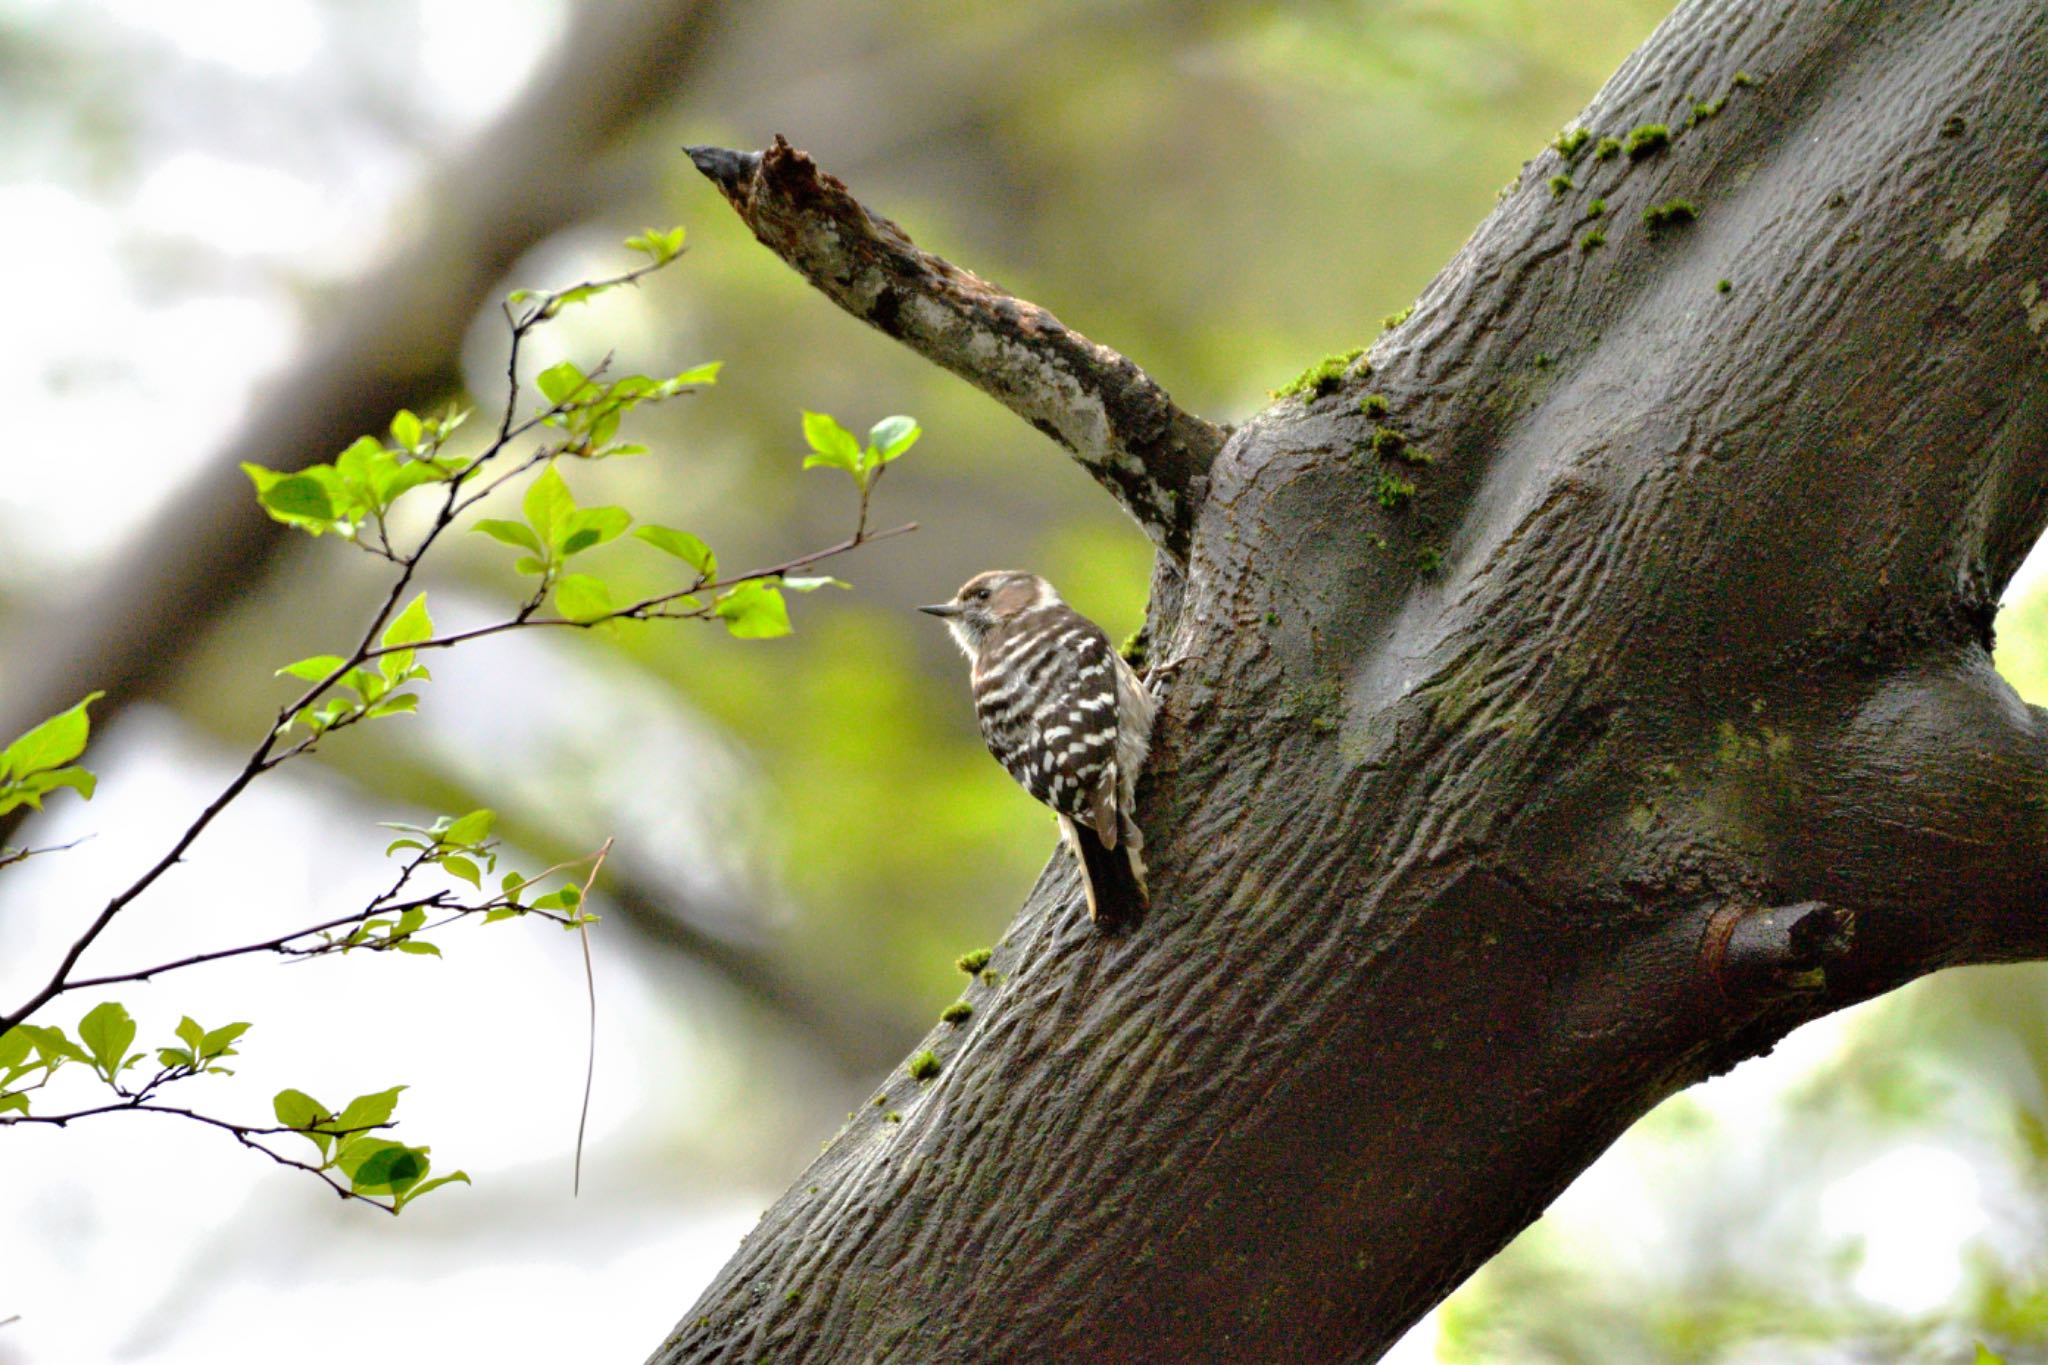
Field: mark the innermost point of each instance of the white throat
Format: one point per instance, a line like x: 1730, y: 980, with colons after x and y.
x: 957, y: 628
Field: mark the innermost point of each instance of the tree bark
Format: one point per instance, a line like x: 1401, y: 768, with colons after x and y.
x: 1658, y: 720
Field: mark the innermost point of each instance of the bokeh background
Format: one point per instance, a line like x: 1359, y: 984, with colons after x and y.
x: 251, y: 228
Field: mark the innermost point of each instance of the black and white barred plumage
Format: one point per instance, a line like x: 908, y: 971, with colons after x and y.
x: 1069, y: 719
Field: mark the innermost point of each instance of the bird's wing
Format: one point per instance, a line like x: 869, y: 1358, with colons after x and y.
x: 1050, y: 717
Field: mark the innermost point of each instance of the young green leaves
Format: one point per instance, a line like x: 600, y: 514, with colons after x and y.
x: 203, y: 1048
x: 460, y: 845
x: 373, y: 1166
x: 40, y: 761
x: 590, y: 410
x: 662, y: 247
x: 834, y: 447
x: 375, y: 683
x: 555, y: 531
x: 363, y: 482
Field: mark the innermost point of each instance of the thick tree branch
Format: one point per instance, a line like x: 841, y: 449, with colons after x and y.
x: 1123, y: 428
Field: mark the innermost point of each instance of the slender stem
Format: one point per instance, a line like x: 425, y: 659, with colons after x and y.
x: 246, y: 1134
x: 590, y: 989
x: 645, y: 608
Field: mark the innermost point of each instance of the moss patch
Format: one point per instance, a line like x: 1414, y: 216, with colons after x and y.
x: 1571, y: 142
x: 1373, y: 405
x: 1393, y: 492
x: 959, y: 1012
x: 923, y: 1066
x: 1647, y: 140
x: 1606, y: 149
x: 1321, y: 377
x: 1670, y: 214
x: 1559, y: 184
x: 972, y: 963
x: 1593, y: 240
x: 1596, y: 209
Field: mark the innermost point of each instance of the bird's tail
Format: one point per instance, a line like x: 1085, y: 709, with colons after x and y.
x: 1112, y: 877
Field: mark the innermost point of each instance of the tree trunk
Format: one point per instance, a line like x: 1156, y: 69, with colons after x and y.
x: 1659, y: 720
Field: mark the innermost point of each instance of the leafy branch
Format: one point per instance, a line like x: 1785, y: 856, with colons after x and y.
x: 353, y: 498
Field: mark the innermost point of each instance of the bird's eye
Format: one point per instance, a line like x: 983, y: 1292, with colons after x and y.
x: 978, y: 595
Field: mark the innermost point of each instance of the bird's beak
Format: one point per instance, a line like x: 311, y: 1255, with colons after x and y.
x: 941, y: 609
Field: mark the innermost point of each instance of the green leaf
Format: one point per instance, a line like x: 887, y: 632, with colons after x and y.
x: 890, y: 437
x: 830, y: 443
x: 394, y: 482
x: 366, y: 1111
x: 409, y: 627
x: 296, y: 1109
x: 707, y: 373
x: 1986, y: 1356
x: 563, y: 383
x: 683, y: 546
x: 18, y: 1103
x: 434, y: 1184
x: 582, y: 598
x: 107, y: 1031
x: 417, y: 946
x: 471, y: 829
x: 662, y: 246
x: 300, y: 500
x: 29, y: 791
x: 547, y: 503
x: 579, y: 294
x: 404, y: 704
x: 591, y: 526
x: 357, y: 469
x: 812, y: 584
x: 514, y: 533
x: 465, y: 868
x: 52, y: 1044
x: 753, y: 611
x: 312, y: 668
x: 367, y: 683
x: 14, y: 1046
x: 176, y: 1056
x: 528, y: 564
x: 190, y: 1034
x: 56, y: 741
x: 406, y: 429
x: 390, y: 1168
x: 217, y: 1042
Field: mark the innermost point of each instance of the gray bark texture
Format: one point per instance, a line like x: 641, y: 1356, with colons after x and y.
x: 1659, y: 719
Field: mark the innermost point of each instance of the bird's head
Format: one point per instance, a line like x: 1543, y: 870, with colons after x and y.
x: 987, y: 600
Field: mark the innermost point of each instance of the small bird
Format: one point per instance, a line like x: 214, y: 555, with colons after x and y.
x: 1069, y: 719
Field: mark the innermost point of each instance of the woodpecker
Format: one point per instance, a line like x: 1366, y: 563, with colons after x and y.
x: 1062, y: 711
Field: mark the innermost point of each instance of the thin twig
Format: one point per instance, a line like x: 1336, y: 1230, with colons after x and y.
x: 246, y: 1134
x: 11, y: 856
x: 590, y: 988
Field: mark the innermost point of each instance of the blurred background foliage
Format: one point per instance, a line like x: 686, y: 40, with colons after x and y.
x: 809, y: 831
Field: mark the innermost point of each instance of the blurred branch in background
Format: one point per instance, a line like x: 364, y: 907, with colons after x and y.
x: 392, y: 345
